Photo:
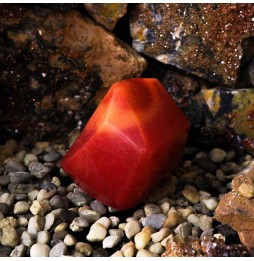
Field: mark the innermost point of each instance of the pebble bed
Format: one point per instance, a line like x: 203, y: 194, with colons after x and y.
x: 43, y: 213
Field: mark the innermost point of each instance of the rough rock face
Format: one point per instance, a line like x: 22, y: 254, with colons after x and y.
x: 236, y: 208
x: 229, y: 117
x: 204, y: 39
x: 51, y: 64
x: 106, y: 14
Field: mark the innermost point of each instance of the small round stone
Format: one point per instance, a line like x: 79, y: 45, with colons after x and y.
x: 70, y: 240
x: 4, y: 180
x: 58, y: 250
x: 40, y: 207
x: 49, y: 221
x: 42, y: 145
x: 217, y: 155
x: 78, y: 224
x: 129, y: 252
x: 59, y: 202
x: 100, y: 252
x: 26, y: 239
x: 96, y: 233
x: 43, y: 237
x: 97, y: 206
x: 29, y: 158
x: 9, y: 236
x: 38, y: 170
x: 18, y: 251
x: 7, y: 198
x: 160, y: 235
x: 20, y: 177
x: 246, y: 190
x: 132, y: 228
x: 115, y: 221
x: 155, y: 220
x: 35, y: 224
x: 118, y: 253
x: 78, y: 199
x: 173, y: 219
x: 39, y: 250
x: 90, y: 215
x: 191, y: 194
x: 157, y: 248
x: 51, y: 156
x: 111, y: 241
x: 212, y: 203
x: 151, y: 209
x: 105, y: 221
x: 205, y: 222
x: 184, y: 229
x: 21, y: 207
x: 142, y: 239
x: 116, y: 232
x: 22, y: 222
x: 84, y: 248
x: 61, y: 227
x: 13, y: 165
x: 33, y: 194
x: 67, y: 215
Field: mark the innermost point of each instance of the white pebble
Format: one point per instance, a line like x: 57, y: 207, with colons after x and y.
x: 29, y: 158
x: 129, y: 252
x: 70, y: 240
x: 132, y: 228
x: 211, y: 203
x: 117, y: 254
x: 35, y: 224
x: 111, y: 241
x: 96, y: 233
x: 39, y: 250
x: 7, y: 198
x: 49, y: 221
x: 105, y: 221
x: 33, y: 194
x: 43, y: 237
x: 156, y: 248
x: 161, y: 234
x: 114, y: 221
x: 21, y: 207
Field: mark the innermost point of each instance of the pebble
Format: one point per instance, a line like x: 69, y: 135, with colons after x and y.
x: 70, y: 240
x: 191, y: 194
x: 21, y: 207
x: 13, y: 165
x: 22, y: 222
x: 184, y: 229
x: 165, y: 206
x: 20, y: 188
x: 7, y: 198
x: 8, y: 221
x: 9, y: 236
x: 33, y: 194
x: 138, y: 214
x: 35, y: 224
x: 40, y: 207
x: 43, y: 237
x: 40, y: 250
x: 18, y: 251
x: 61, y: 227
x: 173, y: 219
x: 90, y: 215
x: 116, y: 232
x: 19, y: 177
x: 217, y: 155
x: 44, y: 194
x: 96, y: 233
x: 59, y: 202
x: 55, y: 180
x: 59, y: 236
x: 145, y: 253
x: 132, y: 228
x: 115, y: 221
x: 51, y: 156
x: 97, y: 206
x: 111, y: 241
x: 105, y: 221
x: 205, y: 222
x: 185, y: 212
x: 79, y: 199
x: 151, y: 209
x: 182, y: 202
x: 58, y: 250
x: 26, y: 239
x: 84, y: 248
x: 42, y: 145
x: 161, y: 234
x: 20, y: 155
x: 29, y: 158
x: 155, y: 221
x: 212, y: 203
x: 4, y: 208
x: 246, y: 190
x: 49, y: 221
x: 38, y: 170
x: 129, y: 252
x: 100, y: 252
x: 78, y: 224
x: 67, y: 215
x: 4, y: 180
x: 141, y: 239
x: 156, y: 248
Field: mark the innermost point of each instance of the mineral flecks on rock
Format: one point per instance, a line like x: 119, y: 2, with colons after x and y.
x: 236, y: 209
x: 229, y: 117
x: 202, y: 39
x: 106, y: 14
x: 51, y: 64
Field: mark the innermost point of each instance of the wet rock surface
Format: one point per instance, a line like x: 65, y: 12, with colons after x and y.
x: 202, y: 39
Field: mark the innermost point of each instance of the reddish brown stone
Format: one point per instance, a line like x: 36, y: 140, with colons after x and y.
x: 236, y: 210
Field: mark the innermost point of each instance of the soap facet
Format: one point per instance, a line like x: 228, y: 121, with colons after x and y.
x: 134, y: 138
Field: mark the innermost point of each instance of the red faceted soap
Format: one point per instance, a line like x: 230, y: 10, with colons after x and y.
x: 135, y: 137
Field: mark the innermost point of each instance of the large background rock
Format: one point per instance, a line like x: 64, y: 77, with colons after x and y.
x: 204, y: 39
x: 52, y: 62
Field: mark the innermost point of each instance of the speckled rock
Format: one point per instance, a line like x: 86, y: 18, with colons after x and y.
x: 202, y: 39
x: 106, y: 14
x: 59, y: 60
